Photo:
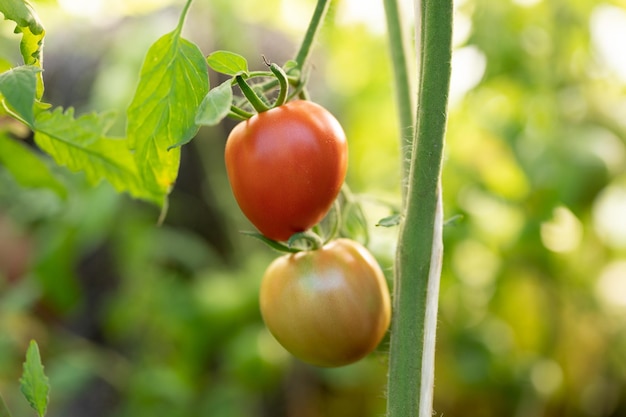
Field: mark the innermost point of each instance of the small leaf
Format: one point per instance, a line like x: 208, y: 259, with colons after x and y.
x: 453, y: 221
x: 34, y: 383
x: 4, y: 410
x: 29, y: 25
x: 174, y: 80
x: 227, y: 62
x: 18, y: 86
x: 216, y: 105
x: 280, y: 247
x: 389, y: 221
x: 27, y: 167
x: 291, y: 67
x: 81, y: 144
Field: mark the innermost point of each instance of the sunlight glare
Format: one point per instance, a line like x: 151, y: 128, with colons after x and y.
x: 611, y: 285
x: 608, y: 31
x: 562, y: 233
x: 82, y: 7
x: 608, y: 216
x: 468, y: 67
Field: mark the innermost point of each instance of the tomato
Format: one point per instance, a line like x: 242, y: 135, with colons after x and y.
x: 286, y: 167
x: 328, y: 307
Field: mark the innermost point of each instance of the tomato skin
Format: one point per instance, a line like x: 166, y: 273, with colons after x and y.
x: 328, y: 307
x: 286, y: 167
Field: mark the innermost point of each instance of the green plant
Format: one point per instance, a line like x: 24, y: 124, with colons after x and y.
x: 33, y: 384
x: 286, y: 167
x: 173, y: 99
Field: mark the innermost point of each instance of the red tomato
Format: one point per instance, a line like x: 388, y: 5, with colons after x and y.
x: 286, y: 167
x: 328, y: 307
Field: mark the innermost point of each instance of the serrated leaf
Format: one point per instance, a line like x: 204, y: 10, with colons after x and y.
x: 216, y: 105
x: 81, y: 144
x: 33, y: 33
x: 18, y: 86
x: 27, y: 167
x: 4, y: 410
x: 227, y: 62
x: 174, y: 80
x: 34, y: 383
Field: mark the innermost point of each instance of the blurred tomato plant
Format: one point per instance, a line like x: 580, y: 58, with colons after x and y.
x: 137, y: 320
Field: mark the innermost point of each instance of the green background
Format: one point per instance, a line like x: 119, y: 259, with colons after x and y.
x: 138, y: 320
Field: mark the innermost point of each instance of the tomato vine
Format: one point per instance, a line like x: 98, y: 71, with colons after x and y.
x: 145, y: 163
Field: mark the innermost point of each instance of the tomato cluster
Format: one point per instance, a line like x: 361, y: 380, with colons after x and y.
x: 328, y: 307
x: 286, y: 166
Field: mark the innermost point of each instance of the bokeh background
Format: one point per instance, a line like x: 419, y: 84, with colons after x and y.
x: 138, y: 320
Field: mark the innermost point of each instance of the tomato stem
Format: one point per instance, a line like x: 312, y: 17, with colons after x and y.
x: 403, y: 87
x: 312, y: 240
x: 183, y: 15
x: 282, y: 82
x: 238, y: 112
x: 311, y: 33
x: 255, y: 100
x: 420, y: 248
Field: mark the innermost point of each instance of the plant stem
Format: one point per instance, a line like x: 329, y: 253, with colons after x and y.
x: 251, y: 95
x: 283, y: 82
x: 403, y: 89
x: 183, y: 15
x: 420, y: 248
x: 311, y: 33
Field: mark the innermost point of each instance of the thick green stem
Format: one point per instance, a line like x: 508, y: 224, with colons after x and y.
x: 403, y: 88
x: 418, y: 259
x: 311, y: 32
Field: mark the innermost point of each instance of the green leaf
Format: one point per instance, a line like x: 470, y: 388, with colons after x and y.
x: 29, y: 25
x: 216, y: 105
x: 19, y: 88
x: 453, y: 221
x: 291, y: 67
x: 81, y: 144
x: 390, y: 221
x: 174, y: 80
x: 280, y: 247
x: 27, y: 167
x: 34, y: 383
x: 4, y: 410
x: 5, y: 65
x: 227, y: 62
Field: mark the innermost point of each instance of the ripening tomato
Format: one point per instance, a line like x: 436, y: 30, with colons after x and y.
x: 328, y: 307
x: 286, y: 167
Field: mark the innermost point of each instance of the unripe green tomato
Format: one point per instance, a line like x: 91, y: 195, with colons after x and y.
x: 329, y: 307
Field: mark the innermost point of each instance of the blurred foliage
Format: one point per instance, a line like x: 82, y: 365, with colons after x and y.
x: 138, y: 320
